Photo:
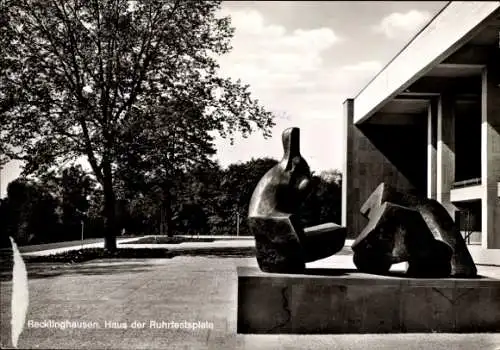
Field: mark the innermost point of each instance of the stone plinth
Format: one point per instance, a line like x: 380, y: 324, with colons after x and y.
x: 329, y: 301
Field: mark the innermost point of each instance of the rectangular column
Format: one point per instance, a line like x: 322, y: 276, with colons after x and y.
x: 431, y: 149
x: 347, y: 180
x: 445, y: 159
x: 490, y: 157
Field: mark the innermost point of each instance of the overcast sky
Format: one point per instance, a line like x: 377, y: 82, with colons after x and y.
x: 302, y: 60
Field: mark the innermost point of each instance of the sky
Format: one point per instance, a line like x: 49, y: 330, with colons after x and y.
x: 302, y: 60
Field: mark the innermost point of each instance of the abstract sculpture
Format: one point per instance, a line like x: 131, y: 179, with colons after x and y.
x: 404, y: 227
x: 282, y: 244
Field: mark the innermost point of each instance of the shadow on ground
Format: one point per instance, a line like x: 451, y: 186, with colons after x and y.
x: 94, y: 262
x: 49, y: 270
x: 328, y: 272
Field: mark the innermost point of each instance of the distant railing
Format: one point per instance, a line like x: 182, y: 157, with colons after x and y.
x: 466, y: 183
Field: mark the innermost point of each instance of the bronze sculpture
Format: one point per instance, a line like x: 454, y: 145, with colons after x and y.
x: 405, y: 227
x: 282, y: 244
x: 402, y: 227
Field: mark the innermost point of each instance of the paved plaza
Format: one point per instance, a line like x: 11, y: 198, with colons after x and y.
x: 193, y: 289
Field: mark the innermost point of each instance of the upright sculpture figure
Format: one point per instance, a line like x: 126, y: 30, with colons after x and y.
x: 283, y: 245
x: 405, y: 227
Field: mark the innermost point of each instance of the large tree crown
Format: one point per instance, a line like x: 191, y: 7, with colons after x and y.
x: 76, y: 75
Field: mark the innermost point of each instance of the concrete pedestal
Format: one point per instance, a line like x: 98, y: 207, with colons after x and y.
x: 328, y: 301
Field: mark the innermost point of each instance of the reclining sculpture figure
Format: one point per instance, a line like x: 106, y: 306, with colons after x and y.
x: 405, y: 227
x: 283, y: 245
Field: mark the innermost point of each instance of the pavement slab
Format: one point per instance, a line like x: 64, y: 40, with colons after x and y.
x: 184, y: 288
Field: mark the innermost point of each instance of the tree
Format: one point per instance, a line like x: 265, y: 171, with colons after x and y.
x: 237, y: 186
x: 29, y: 213
x: 78, y: 74
x: 192, y: 219
x: 4, y: 222
x: 165, y: 148
x: 331, y: 176
x: 202, y: 187
x: 73, y: 187
x: 324, y: 202
x: 20, y: 194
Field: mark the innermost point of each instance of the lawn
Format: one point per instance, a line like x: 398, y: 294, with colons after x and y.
x: 169, y: 240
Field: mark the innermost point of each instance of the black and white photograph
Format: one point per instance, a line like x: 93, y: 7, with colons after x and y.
x: 207, y: 174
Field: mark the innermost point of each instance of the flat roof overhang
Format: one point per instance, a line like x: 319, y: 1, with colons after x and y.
x: 469, y: 193
x: 417, y: 72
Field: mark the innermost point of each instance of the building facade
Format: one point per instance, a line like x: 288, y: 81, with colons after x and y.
x: 429, y: 123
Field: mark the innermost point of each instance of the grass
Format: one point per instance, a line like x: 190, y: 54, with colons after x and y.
x: 169, y: 240
x: 87, y: 254
x: 76, y: 256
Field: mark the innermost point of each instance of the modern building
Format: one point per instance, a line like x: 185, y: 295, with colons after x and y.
x: 429, y: 122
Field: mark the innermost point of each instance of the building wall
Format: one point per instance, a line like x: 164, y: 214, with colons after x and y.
x: 468, y: 142
x: 395, y: 154
x: 490, y: 152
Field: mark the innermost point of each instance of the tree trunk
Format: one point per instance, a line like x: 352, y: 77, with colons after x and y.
x: 110, y: 228
x: 163, y: 220
x: 167, y: 209
x: 168, y: 216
